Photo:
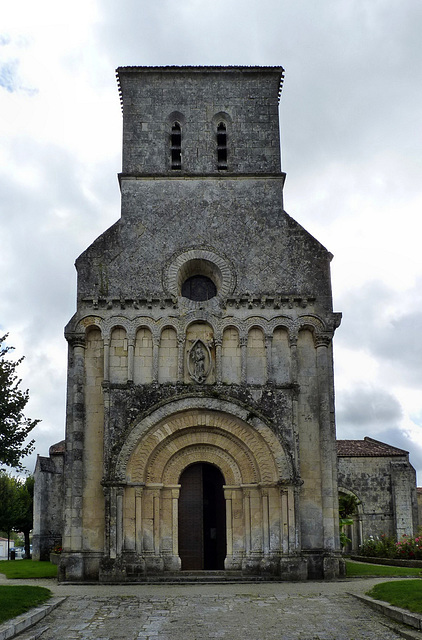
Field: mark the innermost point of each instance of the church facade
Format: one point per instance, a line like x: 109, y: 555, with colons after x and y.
x: 200, y: 427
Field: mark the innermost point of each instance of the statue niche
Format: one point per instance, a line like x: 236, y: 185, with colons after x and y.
x: 199, y: 354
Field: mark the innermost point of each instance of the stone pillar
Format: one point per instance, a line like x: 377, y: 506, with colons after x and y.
x: 265, y: 522
x: 285, y: 547
x: 107, y: 511
x: 172, y: 562
x: 243, y: 341
x: 130, y: 357
x: 129, y: 519
x: 252, y: 527
x: 293, y: 358
x: 181, y: 340
x: 155, y: 356
x: 269, y: 358
x: 234, y: 528
x: 113, y: 523
x: 138, y: 520
x: 218, y: 359
x: 106, y: 359
x: 119, y: 520
x: 327, y: 444
x: 153, y: 558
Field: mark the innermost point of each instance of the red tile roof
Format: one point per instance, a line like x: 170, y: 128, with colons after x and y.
x: 367, y: 448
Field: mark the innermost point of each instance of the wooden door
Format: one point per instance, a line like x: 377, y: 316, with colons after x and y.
x: 202, y: 518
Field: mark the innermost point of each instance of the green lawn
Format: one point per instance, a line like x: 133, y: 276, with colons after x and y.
x: 27, y: 569
x: 17, y: 600
x: 406, y: 594
x: 356, y: 569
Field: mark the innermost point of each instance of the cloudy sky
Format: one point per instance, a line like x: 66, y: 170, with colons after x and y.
x: 351, y: 146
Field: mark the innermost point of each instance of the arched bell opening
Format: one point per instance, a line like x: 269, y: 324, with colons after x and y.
x: 202, y: 518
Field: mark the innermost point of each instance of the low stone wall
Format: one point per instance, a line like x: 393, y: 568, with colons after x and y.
x: 394, y: 562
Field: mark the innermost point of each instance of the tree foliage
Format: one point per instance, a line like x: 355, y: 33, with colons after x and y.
x: 25, y: 510
x: 16, y: 506
x: 14, y: 426
x: 347, y: 508
x: 347, y: 505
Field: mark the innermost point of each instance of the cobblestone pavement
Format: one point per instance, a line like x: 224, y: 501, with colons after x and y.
x: 282, y: 611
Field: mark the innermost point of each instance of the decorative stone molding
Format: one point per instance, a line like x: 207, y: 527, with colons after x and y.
x: 211, y: 413
x: 180, y: 267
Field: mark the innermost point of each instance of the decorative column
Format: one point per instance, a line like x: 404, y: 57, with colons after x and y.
x: 181, y: 340
x: 234, y: 527
x: 269, y: 357
x: 130, y: 357
x: 113, y: 523
x: 138, y: 520
x: 265, y: 522
x: 218, y: 359
x: 155, y: 355
x: 107, y: 358
x: 119, y: 520
x: 174, y: 563
x: 153, y: 558
x: 107, y: 511
x: 285, y: 547
x: 243, y: 341
x: 293, y: 357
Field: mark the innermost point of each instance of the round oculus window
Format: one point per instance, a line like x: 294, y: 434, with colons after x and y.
x: 199, y: 288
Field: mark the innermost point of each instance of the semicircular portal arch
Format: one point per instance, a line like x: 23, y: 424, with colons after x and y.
x: 255, y: 468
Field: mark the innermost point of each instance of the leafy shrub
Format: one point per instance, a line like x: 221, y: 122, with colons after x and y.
x: 408, y: 548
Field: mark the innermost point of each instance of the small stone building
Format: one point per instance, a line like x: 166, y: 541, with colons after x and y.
x: 48, y: 502
x: 200, y: 427
x: 384, y: 483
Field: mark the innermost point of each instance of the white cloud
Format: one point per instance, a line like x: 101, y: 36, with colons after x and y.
x: 351, y: 130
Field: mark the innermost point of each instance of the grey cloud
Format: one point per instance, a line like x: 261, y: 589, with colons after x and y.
x: 366, y: 410
x: 8, y: 75
x: 397, y: 342
x: 373, y: 412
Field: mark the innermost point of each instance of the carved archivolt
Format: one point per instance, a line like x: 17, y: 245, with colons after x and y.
x: 244, y: 452
x: 178, y: 270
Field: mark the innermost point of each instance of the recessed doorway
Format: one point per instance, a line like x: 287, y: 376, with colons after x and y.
x: 202, y: 518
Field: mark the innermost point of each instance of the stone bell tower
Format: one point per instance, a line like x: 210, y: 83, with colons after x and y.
x: 200, y: 412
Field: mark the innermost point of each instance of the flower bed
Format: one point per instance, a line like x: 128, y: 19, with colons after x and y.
x: 407, y: 548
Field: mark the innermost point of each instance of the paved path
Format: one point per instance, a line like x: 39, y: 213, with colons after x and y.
x: 271, y: 611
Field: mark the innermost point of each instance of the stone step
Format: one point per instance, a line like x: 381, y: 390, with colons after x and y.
x: 182, y: 577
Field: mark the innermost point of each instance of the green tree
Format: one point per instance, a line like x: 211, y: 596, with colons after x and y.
x: 14, y: 426
x: 25, y: 511
x: 8, y: 504
x: 347, y: 507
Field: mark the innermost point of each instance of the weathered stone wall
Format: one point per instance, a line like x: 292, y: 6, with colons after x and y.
x: 243, y: 380
x: 48, y: 504
x: 386, y: 489
x: 246, y: 100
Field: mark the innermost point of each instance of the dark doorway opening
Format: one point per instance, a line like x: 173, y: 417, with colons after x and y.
x: 202, y: 518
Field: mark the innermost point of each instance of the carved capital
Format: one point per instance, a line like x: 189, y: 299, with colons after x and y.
x: 322, y: 340
x: 76, y: 340
x: 293, y: 338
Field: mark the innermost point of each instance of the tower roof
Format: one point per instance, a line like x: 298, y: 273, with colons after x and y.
x: 199, y: 69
